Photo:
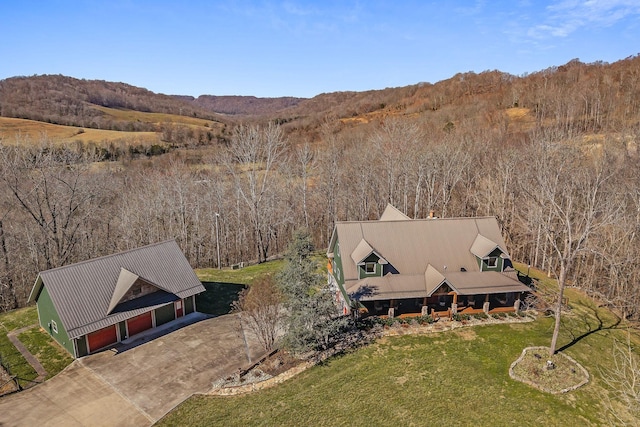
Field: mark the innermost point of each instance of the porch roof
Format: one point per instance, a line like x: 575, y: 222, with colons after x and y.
x: 398, y: 286
x: 391, y: 286
x: 486, y: 282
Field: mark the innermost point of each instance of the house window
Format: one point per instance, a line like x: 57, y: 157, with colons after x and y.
x: 136, y: 290
x: 370, y: 267
x: 492, y: 261
x: 54, y: 326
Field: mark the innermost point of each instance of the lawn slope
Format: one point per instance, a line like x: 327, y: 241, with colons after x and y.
x: 458, y: 377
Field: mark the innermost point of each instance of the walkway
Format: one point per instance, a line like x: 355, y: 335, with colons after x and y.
x: 13, y: 337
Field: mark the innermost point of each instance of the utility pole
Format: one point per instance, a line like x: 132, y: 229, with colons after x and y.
x: 218, y: 241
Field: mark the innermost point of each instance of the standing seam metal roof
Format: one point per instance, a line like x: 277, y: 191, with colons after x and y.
x: 82, y: 292
x: 429, y: 248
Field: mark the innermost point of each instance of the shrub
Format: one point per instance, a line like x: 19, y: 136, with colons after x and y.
x: 424, y: 320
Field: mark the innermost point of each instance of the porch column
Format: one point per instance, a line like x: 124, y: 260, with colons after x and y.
x: 454, y: 305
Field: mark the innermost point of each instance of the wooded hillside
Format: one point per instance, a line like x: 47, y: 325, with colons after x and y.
x: 539, y: 152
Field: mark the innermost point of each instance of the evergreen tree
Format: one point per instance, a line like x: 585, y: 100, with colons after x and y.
x: 313, y: 319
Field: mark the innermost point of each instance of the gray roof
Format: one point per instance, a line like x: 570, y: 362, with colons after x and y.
x: 397, y: 286
x: 85, y: 292
x: 425, y: 252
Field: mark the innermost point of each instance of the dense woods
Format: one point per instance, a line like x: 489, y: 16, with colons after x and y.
x: 553, y: 155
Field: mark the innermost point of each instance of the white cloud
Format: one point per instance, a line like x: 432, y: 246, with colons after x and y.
x: 565, y: 17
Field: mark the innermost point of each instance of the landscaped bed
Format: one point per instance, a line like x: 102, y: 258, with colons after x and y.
x: 553, y: 374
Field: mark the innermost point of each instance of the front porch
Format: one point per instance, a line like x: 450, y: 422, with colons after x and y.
x: 443, y: 305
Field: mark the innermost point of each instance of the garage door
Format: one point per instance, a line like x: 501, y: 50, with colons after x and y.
x: 102, y: 338
x: 137, y: 324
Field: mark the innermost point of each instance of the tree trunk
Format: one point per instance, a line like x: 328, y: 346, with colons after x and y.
x: 556, y: 328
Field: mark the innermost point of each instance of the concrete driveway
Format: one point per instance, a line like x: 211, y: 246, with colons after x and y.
x: 137, y: 383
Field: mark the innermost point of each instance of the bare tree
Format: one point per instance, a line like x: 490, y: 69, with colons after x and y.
x: 623, y: 380
x: 57, y: 189
x: 251, y: 159
x: 305, y: 157
x: 568, y: 202
x: 260, y: 307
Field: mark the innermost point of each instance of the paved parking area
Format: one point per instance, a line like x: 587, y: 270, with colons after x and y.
x: 138, y: 383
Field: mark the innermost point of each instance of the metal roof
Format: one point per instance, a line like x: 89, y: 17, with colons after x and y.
x: 486, y: 282
x: 391, y: 213
x: 425, y: 252
x: 411, y: 245
x: 83, y: 293
x: 390, y: 286
x: 482, y: 247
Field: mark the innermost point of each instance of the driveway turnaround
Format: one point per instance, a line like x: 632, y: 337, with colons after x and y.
x: 139, y: 382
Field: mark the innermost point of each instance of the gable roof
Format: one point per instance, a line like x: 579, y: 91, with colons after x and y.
x: 363, y: 250
x: 391, y: 213
x: 85, y: 292
x: 426, y: 253
x: 482, y: 247
x: 411, y: 245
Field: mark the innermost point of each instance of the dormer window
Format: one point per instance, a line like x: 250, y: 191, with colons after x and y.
x: 370, y: 267
x: 492, y: 261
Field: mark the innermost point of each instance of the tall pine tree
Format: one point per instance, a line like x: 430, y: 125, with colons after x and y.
x: 313, y: 321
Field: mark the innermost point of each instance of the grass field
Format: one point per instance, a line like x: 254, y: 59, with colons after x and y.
x: 449, y: 378
x: 139, y: 116
x: 31, y: 130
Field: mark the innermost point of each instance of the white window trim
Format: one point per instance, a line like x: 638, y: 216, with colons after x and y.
x: 54, y: 326
x: 495, y: 263
x: 369, y: 264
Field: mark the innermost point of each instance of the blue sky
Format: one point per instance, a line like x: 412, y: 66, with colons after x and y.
x: 303, y: 48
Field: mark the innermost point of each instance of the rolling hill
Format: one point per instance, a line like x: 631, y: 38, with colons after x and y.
x: 592, y: 98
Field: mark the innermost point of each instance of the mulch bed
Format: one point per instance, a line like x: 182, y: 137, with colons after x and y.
x: 553, y: 374
x: 278, y: 362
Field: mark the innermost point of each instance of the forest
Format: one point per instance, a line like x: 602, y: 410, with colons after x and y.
x: 553, y: 155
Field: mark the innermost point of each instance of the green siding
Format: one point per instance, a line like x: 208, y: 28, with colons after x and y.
x: 378, y: 271
x: 165, y: 314
x: 338, y: 273
x: 82, y: 346
x: 48, y: 313
x: 188, y: 305
x: 496, y: 253
x: 123, y: 329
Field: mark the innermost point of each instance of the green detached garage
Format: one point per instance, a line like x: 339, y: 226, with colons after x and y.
x: 97, y: 303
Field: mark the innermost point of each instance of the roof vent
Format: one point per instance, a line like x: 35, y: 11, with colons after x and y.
x: 463, y: 269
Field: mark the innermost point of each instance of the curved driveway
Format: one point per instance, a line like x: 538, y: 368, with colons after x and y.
x: 138, y: 383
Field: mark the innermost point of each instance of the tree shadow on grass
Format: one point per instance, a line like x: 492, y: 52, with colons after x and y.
x: 218, y: 297
x: 601, y: 325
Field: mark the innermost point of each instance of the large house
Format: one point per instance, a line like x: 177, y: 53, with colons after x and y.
x: 398, y: 265
x: 94, y: 304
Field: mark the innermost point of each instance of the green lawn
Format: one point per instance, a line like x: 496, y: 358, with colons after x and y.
x: 449, y: 378
x: 242, y: 276
x: 223, y: 286
x: 52, y: 356
x: 10, y: 321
